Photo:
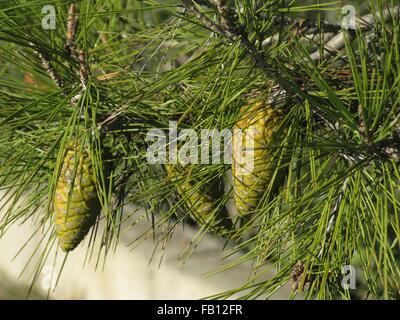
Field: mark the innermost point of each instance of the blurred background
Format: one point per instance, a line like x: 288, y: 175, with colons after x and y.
x: 129, y: 273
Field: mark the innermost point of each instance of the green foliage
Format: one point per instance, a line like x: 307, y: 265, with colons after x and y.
x: 150, y: 62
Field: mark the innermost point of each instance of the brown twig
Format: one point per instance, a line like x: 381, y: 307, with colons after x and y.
x: 83, y: 70
x: 72, y: 23
x: 48, y: 66
x: 226, y: 19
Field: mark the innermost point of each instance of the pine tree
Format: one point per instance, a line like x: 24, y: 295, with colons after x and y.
x: 111, y: 71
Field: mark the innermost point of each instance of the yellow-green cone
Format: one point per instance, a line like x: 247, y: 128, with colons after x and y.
x: 260, y: 122
x: 76, y: 202
x: 201, y: 205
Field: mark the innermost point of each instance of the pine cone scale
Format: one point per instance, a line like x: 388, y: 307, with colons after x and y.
x: 258, y: 127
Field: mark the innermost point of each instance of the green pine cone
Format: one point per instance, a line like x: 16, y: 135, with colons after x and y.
x: 76, y: 202
x: 202, y: 206
x: 250, y: 182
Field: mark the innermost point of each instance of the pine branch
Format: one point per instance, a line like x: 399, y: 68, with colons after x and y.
x: 83, y: 70
x: 235, y: 32
x: 305, y: 27
x: 190, y: 5
x: 70, y: 47
x: 72, y: 23
x: 48, y: 67
x: 365, y: 23
x: 231, y: 31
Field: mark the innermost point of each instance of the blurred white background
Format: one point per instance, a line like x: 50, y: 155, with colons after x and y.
x: 127, y: 273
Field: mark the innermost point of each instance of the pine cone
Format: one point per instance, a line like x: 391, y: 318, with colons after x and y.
x: 260, y: 122
x: 201, y: 205
x: 76, y: 202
